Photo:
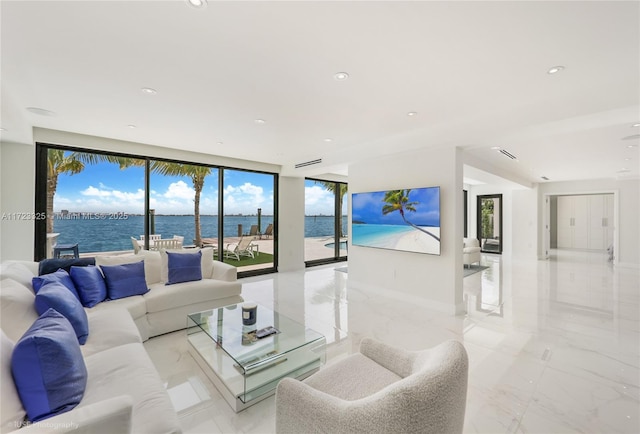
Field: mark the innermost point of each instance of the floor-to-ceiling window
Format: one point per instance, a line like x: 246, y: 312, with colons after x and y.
x: 325, y: 228
x: 109, y: 203
x: 249, y: 219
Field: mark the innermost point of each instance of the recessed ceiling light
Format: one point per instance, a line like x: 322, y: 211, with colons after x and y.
x: 2, y: 129
x: 555, y: 69
x: 149, y: 90
x: 197, y: 3
x: 496, y: 148
x: 328, y: 139
x: 260, y: 121
x: 219, y: 143
x: 132, y: 126
x: 627, y: 159
x: 632, y: 146
x: 411, y: 114
x: 341, y: 76
x: 637, y: 124
x: 40, y: 111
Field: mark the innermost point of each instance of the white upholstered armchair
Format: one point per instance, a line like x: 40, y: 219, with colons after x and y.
x: 471, y: 252
x: 379, y: 390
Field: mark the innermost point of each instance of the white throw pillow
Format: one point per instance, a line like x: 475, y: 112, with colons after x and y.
x: 152, y: 266
x: 12, y: 411
x: 17, y: 311
x: 207, y: 261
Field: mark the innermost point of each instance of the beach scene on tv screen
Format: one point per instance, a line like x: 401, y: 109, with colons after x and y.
x: 406, y: 220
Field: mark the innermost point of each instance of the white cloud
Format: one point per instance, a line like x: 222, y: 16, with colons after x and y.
x: 180, y: 190
x: 318, y: 201
x: 246, y: 199
x: 92, y: 191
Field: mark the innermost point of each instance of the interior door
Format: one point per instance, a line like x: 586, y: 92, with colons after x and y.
x: 489, y: 221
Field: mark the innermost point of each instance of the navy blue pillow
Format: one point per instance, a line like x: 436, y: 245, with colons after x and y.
x: 50, y: 265
x: 55, y: 296
x: 48, y: 368
x: 125, y: 280
x: 90, y: 284
x: 184, y: 267
x: 60, y: 276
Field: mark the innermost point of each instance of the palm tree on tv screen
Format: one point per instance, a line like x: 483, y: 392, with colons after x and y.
x: 398, y: 200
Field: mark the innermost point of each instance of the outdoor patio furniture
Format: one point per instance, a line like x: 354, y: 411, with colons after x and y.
x: 59, y: 248
x: 171, y: 243
x: 268, y: 232
x: 244, y: 248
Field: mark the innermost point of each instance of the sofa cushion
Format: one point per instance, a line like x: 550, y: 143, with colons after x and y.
x: 184, y: 267
x: 48, y: 367
x: 59, y: 276
x: 16, y: 271
x: 162, y: 297
x: 207, y: 261
x: 56, y: 296
x: 124, y: 280
x: 134, y: 305
x: 16, y: 308
x: 11, y: 412
x: 90, y: 285
x: 115, y: 326
x: 152, y: 265
x: 128, y: 370
x: 353, y: 378
x: 50, y: 265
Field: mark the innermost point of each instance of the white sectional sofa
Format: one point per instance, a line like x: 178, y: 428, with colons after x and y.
x: 123, y: 390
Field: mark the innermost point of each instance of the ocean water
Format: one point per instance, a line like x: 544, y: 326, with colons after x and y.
x: 112, y: 233
x: 377, y: 235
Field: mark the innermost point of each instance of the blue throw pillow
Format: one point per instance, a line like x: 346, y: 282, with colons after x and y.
x: 60, y: 276
x: 48, y: 368
x: 50, y: 265
x: 55, y: 296
x: 90, y: 284
x: 125, y: 280
x: 184, y: 267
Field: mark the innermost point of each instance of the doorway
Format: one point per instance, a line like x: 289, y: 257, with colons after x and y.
x: 489, y: 223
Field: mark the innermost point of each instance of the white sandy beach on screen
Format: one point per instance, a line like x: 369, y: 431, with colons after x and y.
x: 417, y: 241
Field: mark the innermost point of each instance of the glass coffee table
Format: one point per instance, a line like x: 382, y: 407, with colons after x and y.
x: 244, y: 368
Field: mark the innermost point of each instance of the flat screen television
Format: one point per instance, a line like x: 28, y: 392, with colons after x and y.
x: 407, y: 220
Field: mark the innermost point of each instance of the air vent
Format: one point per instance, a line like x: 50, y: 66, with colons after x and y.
x: 545, y: 178
x: 309, y: 163
x: 508, y: 154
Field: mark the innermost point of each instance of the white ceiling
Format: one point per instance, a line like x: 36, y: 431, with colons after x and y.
x: 475, y: 73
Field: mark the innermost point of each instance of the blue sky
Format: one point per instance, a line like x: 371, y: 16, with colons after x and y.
x: 367, y: 207
x: 103, y: 187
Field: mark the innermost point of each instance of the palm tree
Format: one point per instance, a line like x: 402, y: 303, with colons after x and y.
x: 72, y: 164
x: 331, y: 186
x: 398, y: 200
x: 197, y: 175
x: 58, y: 164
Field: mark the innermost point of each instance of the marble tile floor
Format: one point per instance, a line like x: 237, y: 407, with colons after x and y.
x: 554, y: 346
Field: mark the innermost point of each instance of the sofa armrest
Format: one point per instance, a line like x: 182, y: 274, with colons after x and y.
x: 396, y: 360
x: 226, y: 272
x: 110, y: 416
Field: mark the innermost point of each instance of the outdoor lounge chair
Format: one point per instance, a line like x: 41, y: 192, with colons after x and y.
x: 136, y: 245
x: 244, y: 247
x: 268, y: 232
x: 253, y: 232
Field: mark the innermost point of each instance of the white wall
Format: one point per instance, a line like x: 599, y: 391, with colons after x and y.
x: 291, y: 224
x: 17, y: 187
x: 434, y: 280
x: 627, y: 210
